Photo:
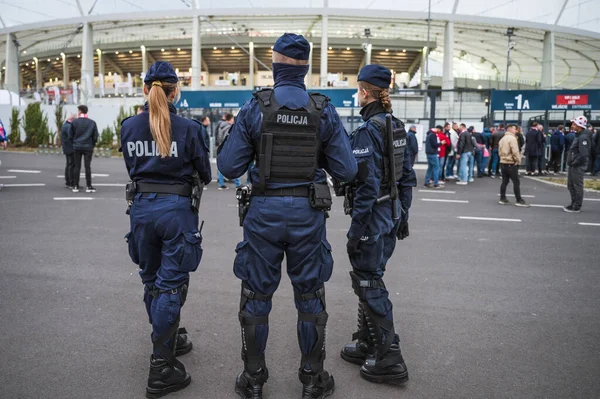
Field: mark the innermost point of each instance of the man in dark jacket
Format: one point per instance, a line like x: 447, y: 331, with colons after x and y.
x: 533, y: 148
x: 67, y: 147
x: 478, y: 151
x: 413, y: 145
x: 557, y: 143
x: 596, y: 150
x: 569, y: 138
x: 464, y: 153
x: 577, y: 159
x: 496, y: 137
x: 84, y: 135
x: 433, y: 166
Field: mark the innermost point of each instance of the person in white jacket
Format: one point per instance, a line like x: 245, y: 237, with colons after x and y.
x: 450, y: 131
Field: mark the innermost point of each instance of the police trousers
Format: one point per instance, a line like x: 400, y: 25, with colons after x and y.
x: 575, y: 185
x: 370, y: 264
x: 274, y: 227
x: 165, y: 243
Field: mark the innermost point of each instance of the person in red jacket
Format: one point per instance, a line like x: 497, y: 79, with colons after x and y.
x: 442, y: 150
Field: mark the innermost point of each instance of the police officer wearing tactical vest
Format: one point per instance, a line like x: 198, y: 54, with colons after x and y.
x: 291, y: 136
x: 374, y: 229
x: 162, y: 151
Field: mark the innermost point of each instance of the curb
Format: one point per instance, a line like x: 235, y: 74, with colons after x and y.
x: 587, y: 190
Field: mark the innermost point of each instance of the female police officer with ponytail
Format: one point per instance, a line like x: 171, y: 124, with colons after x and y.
x: 373, y: 231
x: 161, y: 152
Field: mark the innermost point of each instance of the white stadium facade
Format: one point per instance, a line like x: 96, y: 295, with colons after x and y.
x: 95, y: 49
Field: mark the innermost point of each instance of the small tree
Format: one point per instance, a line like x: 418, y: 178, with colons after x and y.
x: 15, y: 127
x: 59, y: 116
x: 120, y: 118
x: 106, y: 137
x: 35, y: 124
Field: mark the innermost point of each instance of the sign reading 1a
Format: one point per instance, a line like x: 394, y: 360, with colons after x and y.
x: 520, y: 103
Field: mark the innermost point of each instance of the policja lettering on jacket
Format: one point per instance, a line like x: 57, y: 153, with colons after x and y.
x: 292, y: 119
x: 148, y: 149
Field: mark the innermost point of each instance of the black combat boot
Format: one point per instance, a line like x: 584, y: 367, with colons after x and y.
x: 316, y: 386
x: 356, y: 352
x: 184, y: 345
x: 390, y: 369
x: 165, y: 378
x: 249, y: 386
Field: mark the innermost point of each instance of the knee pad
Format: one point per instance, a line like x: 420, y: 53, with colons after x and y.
x: 165, y: 312
x: 316, y: 355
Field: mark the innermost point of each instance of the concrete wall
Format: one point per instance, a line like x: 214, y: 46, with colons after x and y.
x: 104, y: 111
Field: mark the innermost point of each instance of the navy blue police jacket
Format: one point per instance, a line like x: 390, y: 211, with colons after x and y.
x: 238, y: 152
x: 369, y: 219
x: 188, y: 152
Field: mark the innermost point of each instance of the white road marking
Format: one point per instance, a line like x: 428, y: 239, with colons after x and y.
x: 589, y: 224
x: 109, y: 184
x: 591, y: 199
x: 437, y: 191
x: 546, y: 206
x: 83, y: 175
x: 23, y: 171
x: 73, y: 198
x: 489, y: 219
x: 524, y: 196
x: 26, y: 185
x: 8, y: 177
x: 444, y: 200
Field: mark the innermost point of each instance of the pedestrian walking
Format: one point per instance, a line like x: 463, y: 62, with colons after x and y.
x: 431, y: 150
x: 496, y: 137
x: 464, y: 154
x: 577, y: 159
x: 510, y: 159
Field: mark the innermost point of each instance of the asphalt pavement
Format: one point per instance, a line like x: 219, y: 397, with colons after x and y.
x: 490, y: 301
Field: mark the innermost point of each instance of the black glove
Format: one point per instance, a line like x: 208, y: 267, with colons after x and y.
x: 403, y: 230
x: 352, y: 246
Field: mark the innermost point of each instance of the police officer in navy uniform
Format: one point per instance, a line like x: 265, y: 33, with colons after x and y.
x: 373, y: 232
x: 292, y: 136
x: 161, y: 152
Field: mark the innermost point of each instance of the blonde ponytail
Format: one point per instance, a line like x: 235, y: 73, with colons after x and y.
x: 377, y: 93
x: 160, y: 118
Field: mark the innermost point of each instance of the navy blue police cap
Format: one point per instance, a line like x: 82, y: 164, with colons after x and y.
x: 161, y: 71
x: 293, y: 46
x: 377, y: 75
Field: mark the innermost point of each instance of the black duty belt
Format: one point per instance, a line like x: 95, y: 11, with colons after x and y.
x: 178, y: 189
x: 301, y: 191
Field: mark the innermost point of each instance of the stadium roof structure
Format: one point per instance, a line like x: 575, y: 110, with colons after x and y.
x: 480, y: 44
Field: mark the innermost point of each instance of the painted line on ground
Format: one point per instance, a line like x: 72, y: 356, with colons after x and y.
x: 589, y: 224
x: 444, y: 200
x: 23, y: 171
x: 8, y: 177
x: 591, y: 199
x: 437, y: 191
x: 83, y: 175
x: 488, y: 219
x: 73, y: 198
x: 109, y: 184
x: 26, y: 185
x: 546, y: 206
x: 524, y: 196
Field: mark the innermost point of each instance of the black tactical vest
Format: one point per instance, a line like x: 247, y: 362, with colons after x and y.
x: 399, y: 143
x: 289, y: 146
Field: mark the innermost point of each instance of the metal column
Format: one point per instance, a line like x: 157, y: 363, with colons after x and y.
x: 196, y: 54
x: 87, y: 64
x: 324, y: 48
x: 548, y: 61
x: 11, y: 76
x: 65, y: 70
x: 250, y: 81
